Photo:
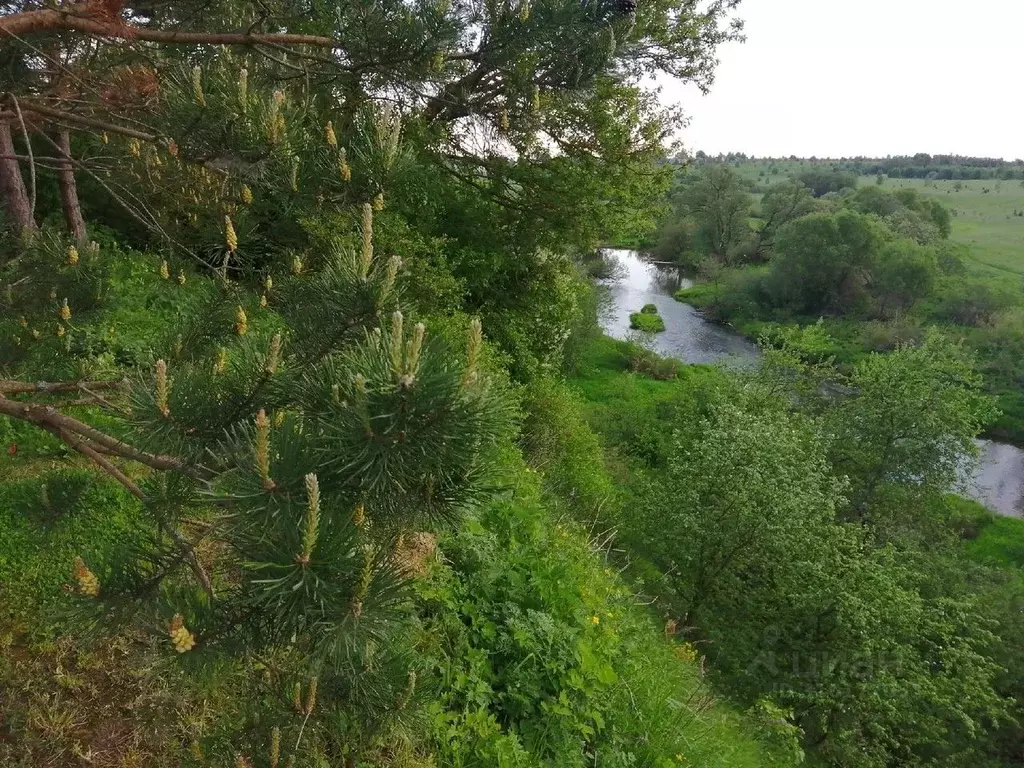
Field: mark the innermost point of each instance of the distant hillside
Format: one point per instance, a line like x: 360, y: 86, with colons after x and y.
x: 919, y: 166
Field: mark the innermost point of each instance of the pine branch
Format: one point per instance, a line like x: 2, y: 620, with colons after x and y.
x: 88, y: 122
x: 11, y: 387
x: 49, y: 418
x: 79, y: 17
x: 74, y: 433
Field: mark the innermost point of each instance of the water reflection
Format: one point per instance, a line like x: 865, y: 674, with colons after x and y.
x: 999, y: 480
x: 687, y: 335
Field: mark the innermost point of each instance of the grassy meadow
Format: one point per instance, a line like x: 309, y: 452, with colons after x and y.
x: 983, y: 211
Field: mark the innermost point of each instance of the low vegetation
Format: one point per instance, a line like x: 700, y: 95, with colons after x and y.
x: 876, y: 264
x: 647, y: 320
x: 749, y: 565
x: 315, y: 454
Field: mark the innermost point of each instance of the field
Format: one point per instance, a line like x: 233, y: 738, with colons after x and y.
x: 984, y: 211
x: 984, y: 218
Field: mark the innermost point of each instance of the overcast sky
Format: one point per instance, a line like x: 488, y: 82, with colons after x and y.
x: 837, y: 78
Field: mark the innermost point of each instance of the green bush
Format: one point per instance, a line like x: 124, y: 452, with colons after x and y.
x: 648, y: 323
x: 547, y: 661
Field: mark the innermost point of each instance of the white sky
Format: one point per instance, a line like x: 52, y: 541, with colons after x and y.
x: 837, y: 78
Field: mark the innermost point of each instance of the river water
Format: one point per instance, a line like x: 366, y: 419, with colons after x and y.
x: 998, y: 482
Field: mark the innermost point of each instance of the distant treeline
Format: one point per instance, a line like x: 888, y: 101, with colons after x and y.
x: 919, y: 166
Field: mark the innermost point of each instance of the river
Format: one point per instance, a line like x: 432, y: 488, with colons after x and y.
x: 998, y: 481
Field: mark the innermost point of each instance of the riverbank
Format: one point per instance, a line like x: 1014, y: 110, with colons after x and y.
x: 850, y: 340
x: 632, y: 415
x: 629, y: 431
x: 693, y: 336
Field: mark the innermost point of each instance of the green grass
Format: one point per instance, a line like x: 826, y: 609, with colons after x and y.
x: 1000, y: 542
x: 982, y: 220
x: 646, y: 322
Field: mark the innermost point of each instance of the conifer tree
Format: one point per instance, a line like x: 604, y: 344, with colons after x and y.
x: 288, y: 452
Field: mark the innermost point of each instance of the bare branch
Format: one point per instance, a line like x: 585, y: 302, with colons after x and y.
x: 10, y: 387
x: 31, y: 159
x: 49, y: 418
x: 88, y: 122
x: 76, y: 17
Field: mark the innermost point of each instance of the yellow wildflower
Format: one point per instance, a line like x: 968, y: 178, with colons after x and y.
x: 595, y: 620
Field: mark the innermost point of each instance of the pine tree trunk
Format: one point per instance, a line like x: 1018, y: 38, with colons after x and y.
x: 13, y: 195
x: 69, y: 191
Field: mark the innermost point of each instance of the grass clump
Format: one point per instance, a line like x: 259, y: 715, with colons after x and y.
x: 647, y: 320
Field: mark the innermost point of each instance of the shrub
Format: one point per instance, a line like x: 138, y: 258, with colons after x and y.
x: 647, y: 323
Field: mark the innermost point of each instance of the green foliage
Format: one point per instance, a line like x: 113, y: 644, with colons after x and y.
x: 551, y: 662
x: 913, y: 417
x: 822, y: 182
x: 823, y: 262
x: 781, y: 204
x: 646, y: 322
x: 744, y: 478
x: 710, y: 210
x: 906, y: 273
x: 850, y: 637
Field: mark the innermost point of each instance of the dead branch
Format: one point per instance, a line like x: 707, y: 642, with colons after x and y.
x: 88, y: 122
x: 49, y: 418
x: 28, y: 149
x: 10, y: 387
x: 77, y: 17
